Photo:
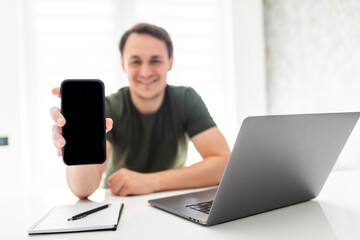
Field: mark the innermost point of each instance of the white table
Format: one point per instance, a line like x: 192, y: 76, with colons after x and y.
x: 335, y: 214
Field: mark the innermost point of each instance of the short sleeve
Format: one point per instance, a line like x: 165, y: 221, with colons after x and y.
x: 198, y: 118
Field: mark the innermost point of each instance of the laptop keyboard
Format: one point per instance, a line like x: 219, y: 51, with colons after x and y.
x: 202, y: 207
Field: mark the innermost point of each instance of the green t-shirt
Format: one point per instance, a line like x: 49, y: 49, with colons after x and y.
x: 158, y: 141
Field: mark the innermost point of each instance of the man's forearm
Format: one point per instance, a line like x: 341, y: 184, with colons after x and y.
x: 205, y: 173
x: 83, y: 180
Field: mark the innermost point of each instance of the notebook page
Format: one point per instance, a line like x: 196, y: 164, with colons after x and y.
x: 57, y: 218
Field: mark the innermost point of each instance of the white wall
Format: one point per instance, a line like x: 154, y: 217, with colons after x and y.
x: 313, y: 61
x: 249, y: 58
x: 313, y: 55
x: 10, y: 100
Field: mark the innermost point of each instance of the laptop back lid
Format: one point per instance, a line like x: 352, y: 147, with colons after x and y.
x: 278, y: 161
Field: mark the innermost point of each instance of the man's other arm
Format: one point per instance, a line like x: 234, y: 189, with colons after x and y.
x: 215, y: 152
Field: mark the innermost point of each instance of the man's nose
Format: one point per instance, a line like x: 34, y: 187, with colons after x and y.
x: 145, y: 70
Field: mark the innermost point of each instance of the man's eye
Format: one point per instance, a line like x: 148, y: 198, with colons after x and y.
x: 135, y: 62
x: 155, y: 61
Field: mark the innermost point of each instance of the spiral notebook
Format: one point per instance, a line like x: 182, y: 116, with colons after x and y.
x: 56, y: 220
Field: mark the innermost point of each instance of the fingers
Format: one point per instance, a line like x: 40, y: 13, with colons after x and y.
x: 59, y: 120
x: 115, y: 187
x: 124, y: 191
x: 116, y: 190
x: 109, y: 124
x: 116, y: 182
x: 57, y: 116
x: 56, y: 91
x: 58, y: 139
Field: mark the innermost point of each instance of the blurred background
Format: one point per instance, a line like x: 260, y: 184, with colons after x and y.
x: 244, y: 57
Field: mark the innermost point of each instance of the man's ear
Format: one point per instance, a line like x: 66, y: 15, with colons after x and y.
x: 122, y: 64
x: 171, y: 60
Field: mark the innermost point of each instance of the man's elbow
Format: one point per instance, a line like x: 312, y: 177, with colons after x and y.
x: 83, y: 190
x: 82, y: 193
x: 223, y: 160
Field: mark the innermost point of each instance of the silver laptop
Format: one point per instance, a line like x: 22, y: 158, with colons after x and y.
x: 277, y: 161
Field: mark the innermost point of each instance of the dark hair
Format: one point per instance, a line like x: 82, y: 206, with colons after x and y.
x: 145, y: 28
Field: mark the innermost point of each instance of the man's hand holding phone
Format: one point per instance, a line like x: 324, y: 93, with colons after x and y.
x: 60, y: 141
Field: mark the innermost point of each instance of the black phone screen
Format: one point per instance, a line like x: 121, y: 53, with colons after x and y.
x: 83, y: 106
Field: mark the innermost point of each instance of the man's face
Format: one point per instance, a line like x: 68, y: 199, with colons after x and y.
x: 145, y: 60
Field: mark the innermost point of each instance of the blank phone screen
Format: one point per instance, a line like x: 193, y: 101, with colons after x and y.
x: 82, y: 105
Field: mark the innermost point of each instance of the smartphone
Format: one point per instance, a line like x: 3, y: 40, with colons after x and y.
x: 83, y: 106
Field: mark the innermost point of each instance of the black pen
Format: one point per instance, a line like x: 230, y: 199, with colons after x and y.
x: 84, y: 214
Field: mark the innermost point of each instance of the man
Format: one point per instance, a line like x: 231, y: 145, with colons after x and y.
x: 151, y: 123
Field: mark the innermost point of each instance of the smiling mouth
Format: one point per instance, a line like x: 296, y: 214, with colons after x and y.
x: 147, y: 83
